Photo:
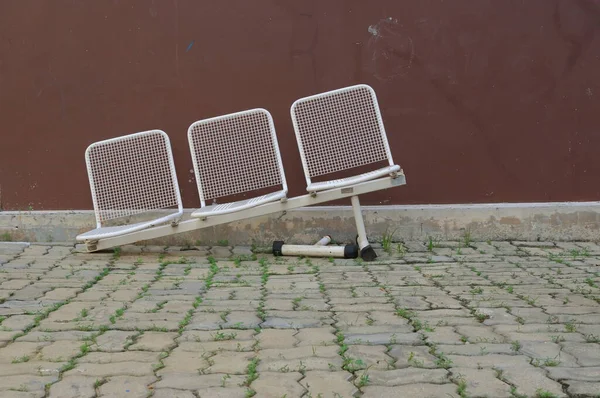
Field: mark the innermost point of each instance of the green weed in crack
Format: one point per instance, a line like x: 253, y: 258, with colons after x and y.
x: 515, y: 346
x: 197, y: 302
x: 443, y: 361
x: 185, y: 321
x: 251, y: 371
x: 159, y: 306
x: 105, y: 271
x: 386, y: 241
x: 116, y: 253
x: 431, y: 244
x: 264, y: 278
x: 99, y: 382
x: 461, y: 384
x: 570, y: 326
x: 404, y: 313
x: 213, y: 269
x: 540, y: 393
x: 118, y: 314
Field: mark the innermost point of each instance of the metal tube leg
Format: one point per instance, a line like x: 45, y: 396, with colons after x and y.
x: 366, y: 251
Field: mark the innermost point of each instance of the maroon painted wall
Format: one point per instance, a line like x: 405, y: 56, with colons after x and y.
x: 483, y: 100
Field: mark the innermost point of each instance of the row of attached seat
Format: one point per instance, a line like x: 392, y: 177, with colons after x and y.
x: 337, y: 132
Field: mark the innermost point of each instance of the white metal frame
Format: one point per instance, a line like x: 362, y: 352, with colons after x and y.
x: 210, y: 139
x: 125, y: 145
x: 262, y: 210
x: 314, y: 121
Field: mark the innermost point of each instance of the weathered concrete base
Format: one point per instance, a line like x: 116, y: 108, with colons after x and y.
x: 578, y: 221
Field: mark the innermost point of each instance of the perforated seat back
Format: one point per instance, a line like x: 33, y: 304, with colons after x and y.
x: 132, y: 174
x: 339, y: 130
x: 235, y: 153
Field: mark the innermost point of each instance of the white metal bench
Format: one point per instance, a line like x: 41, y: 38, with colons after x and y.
x: 236, y: 154
x: 338, y: 133
x: 133, y: 175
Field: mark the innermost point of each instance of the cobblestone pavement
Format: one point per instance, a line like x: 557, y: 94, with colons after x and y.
x: 433, y: 319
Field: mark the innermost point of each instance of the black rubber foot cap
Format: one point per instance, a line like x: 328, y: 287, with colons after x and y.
x: 277, y: 245
x: 368, y: 254
x: 350, y: 251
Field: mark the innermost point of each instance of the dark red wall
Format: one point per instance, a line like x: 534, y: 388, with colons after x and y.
x: 483, y: 100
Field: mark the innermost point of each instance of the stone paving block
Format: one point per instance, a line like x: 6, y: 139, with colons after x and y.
x: 241, y: 320
x: 61, y: 294
x: 481, y: 383
x: 476, y: 349
x: 328, y: 384
x: 112, y: 369
x: 91, y: 295
x: 399, y: 377
x: 126, y: 386
x: 26, y: 383
x: 414, y: 356
x: 114, y: 357
x: 480, y: 334
x: 180, y: 361
x: 205, y: 321
x: 172, y: 393
x: 489, y: 361
x: 547, y: 354
x: 220, y: 252
x: 183, y: 381
x: 291, y: 323
x: 60, y: 350
x: 17, y: 322
x: 229, y: 362
x: 222, y: 392
x: 587, y: 354
x: 32, y: 367
x: 68, y: 312
x: 35, y: 336
x: 548, y: 336
x: 275, y: 304
x: 383, y: 338
x: 212, y: 346
x: 315, y: 337
x: 347, y: 319
x: 363, y: 307
x: 22, y: 394
x: 155, y: 341
x: 73, y: 387
x: 19, y: 351
x: 374, y: 357
x: 443, y: 335
x: 216, y: 335
x: 113, y: 340
x: 582, y: 388
x: 530, y: 380
x: 277, y: 385
x: 299, y: 352
x: 411, y: 390
x: 591, y: 374
x: 438, y: 302
x: 277, y: 338
x: 123, y: 295
x: 15, y: 284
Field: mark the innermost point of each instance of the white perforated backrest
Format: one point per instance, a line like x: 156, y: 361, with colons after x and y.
x: 339, y: 130
x: 132, y: 174
x: 235, y: 153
